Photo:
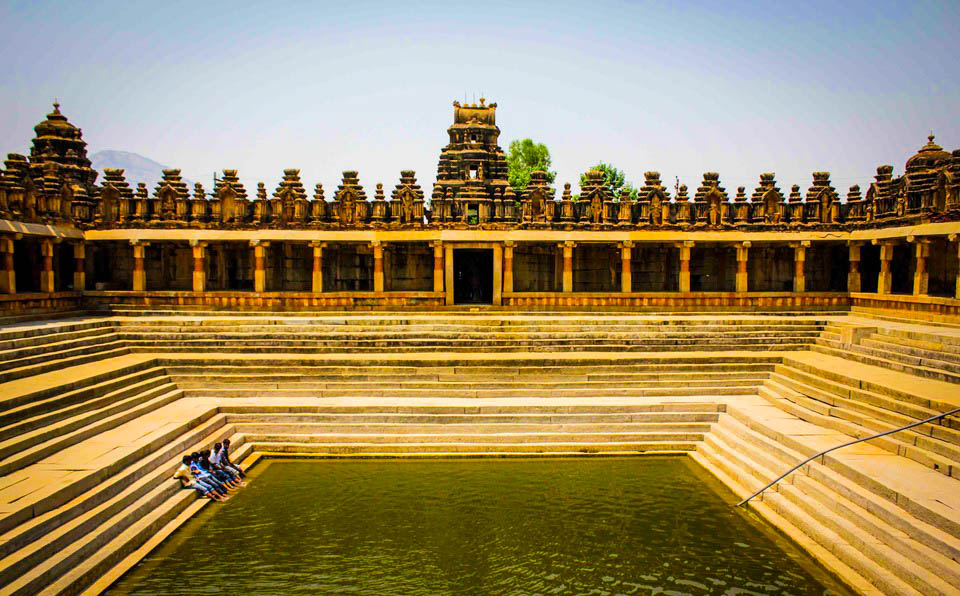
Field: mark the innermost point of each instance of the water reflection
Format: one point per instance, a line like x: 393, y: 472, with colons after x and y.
x: 575, y: 526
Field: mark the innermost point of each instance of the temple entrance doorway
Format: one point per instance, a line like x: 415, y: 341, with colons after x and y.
x: 473, y: 276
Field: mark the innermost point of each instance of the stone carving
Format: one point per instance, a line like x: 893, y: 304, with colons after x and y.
x: 56, y: 185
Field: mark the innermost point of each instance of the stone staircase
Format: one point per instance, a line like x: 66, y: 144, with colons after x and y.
x: 919, y: 352
x: 89, y: 440
x: 43, y: 422
x: 405, y: 333
x: 440, y: 431
x: 33, y: 348
x: 821, y: 395
x: 481, y: 376
x: 856, y: 521
x: 62, y: 541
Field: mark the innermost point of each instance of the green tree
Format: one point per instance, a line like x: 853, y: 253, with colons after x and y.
x: 616, y: 179
x: 524, y: 157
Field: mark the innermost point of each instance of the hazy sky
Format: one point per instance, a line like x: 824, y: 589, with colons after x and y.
x: 680, y: 87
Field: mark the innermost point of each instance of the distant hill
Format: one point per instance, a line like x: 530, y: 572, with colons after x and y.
x: 136, y: 168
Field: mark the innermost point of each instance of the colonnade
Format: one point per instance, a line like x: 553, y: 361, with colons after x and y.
x: 920, y: 249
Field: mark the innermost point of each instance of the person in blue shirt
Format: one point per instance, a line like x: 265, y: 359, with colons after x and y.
x: 184, y: 476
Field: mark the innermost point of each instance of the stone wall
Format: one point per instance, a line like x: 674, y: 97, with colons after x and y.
x: 109, y: 266
x: 826, y: 267
x: 229, y: 266
x: 770, y: 268
x: 943, y: 266
x: 655, y: 268
x: 535, y: 268
x: 713, y: 268
x: 169, y: 266
x: 289, y: 267
x: 347, y: 267
x: 408, y: 267
x: 596, y: 268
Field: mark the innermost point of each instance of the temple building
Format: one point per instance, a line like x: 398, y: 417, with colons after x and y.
x: 797, y: 344
x: 69, y: 239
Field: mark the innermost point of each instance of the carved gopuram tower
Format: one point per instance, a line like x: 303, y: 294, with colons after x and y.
x: 472, y: 173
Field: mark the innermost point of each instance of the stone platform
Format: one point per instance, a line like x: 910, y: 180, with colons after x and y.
x: 96, y: 412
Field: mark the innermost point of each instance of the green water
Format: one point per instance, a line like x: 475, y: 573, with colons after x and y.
x: 556, y: 526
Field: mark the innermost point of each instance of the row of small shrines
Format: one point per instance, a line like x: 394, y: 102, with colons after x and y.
x: 115, y: 204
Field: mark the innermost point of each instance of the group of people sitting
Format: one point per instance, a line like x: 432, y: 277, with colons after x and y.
x: 210, y: 472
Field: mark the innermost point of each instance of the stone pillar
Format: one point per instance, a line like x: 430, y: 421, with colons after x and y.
x: 799, y: 258
x: 79, y: 270
x: 139, y: 274
x: 921, y: 276
x: 626, y: 274
x: 685, y: 247
x: 508, y: 266
x: 377, y: 265
x: 742, y: 254
x: 317, y: 286
x: 568, y: 265
x: 46, y: 274
x: 497, y: 275
x: 448, y: 273
x: 199, y: 265
x: 8, y: 277
x: 437, y: 265
x: 885, y: 279
x: 259, y: 265
x: 954, y: 238
x: 853, y: 276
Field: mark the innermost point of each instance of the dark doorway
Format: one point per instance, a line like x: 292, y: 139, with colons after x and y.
x: 473, y: 276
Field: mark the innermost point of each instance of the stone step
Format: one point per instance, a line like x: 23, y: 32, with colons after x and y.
x: 358, y: 332
x: 59, y: 361
x: 431, y: 408
x: 482, y: 361
x: 849, y: 519
x: 24, y: 452
x: 887, y: 569
x: 293, y: 348
x: 90, y: 557
x: 937, y: 455
x: 831, y: 550
x: 393, y: 423
x: 830, y: 373
x: 925, y: 352
x: 921, y: 339
x: 881, y: 407
x: 24, y: 355
x: 716, y: 464
x: 861, y: 354
x: 421, y: 339
x: 44, y: 330
x: 28, y: 544
x: 912, y: 356
x: 64, y: 417
x: 439, y: 435
x: 941, y: 437
x: 112, y: 464
x: 21, y: 409
x: 58, y: 334
x: 931, y: 512
x: 472, y: 313
x: 440, y: 449
x: 540, y: 368
x: 665, y: 391
x: 934, y: 563
x: 465, y: 382
x: 415, y: 375
x: 67, y: 353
